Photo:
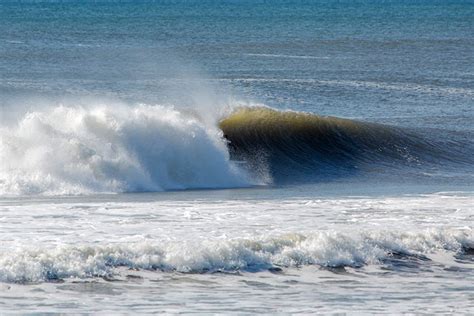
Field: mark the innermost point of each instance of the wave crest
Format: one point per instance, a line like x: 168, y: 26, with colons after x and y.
x: 289, y: 144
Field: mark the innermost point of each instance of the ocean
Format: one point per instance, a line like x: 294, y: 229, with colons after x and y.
x: 237, y: 157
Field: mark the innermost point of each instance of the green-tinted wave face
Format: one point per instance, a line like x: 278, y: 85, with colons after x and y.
x: 295, y: 143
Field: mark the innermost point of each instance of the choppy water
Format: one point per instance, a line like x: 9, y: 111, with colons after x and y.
x: 251, y: 156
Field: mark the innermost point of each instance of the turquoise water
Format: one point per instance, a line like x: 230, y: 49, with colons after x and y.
x: 119, y: 192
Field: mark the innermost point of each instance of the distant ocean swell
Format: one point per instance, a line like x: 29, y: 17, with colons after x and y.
x: 77, y: 150
x: 325, y: 249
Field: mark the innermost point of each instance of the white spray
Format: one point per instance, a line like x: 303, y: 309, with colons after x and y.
x: 119, y: 148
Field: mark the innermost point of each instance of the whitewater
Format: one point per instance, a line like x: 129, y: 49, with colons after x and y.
x: 240, y: 157
x: 195, y: 247
x: 77, y: 150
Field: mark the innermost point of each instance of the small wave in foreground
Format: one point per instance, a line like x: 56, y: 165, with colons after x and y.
x: 326, y: 249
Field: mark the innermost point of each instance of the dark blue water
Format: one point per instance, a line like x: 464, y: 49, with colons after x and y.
x: 402, y: 62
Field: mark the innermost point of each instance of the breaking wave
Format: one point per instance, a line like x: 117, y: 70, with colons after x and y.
x: 326, y: 249
x: 99, y: 149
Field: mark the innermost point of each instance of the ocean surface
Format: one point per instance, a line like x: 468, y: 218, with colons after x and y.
x: 243, y: 157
